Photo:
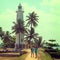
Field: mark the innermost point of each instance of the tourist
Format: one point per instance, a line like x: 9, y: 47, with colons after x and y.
x: 32, y: 51
x: 36, y: 51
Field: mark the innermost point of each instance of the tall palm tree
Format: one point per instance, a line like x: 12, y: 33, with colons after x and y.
x: 19, y: 28
x: 32, y: 21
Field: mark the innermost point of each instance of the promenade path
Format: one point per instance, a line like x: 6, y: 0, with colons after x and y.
x: 29, y: 56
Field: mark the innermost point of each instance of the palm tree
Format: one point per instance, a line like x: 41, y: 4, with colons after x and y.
x: 32, y: 21
x: 6, y: 39
x: 19, y: 28
x: 12, y: 41
x: 30, y: 37
x: 39, y: 40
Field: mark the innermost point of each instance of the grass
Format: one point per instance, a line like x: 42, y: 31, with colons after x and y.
x: 44, y: 56
x: 22, y: 57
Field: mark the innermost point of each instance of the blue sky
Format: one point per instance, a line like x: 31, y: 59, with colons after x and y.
x: 47, y: 10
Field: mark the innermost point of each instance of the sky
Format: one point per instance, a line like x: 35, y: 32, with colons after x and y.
x: 47, y: 10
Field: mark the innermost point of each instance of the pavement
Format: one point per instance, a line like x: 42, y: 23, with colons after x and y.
x: 29, y: 56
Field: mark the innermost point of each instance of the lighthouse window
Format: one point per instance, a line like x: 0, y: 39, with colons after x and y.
x: 19, y: 7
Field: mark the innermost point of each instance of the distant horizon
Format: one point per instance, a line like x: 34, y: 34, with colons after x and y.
x: 47, y: 10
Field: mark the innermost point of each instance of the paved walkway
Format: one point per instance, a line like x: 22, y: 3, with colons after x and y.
x: 29, y: 56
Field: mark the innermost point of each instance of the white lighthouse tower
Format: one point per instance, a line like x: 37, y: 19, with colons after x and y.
x: 19, y: 41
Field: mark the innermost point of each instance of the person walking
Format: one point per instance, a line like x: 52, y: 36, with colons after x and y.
x: 32, y: 51
x: 36, y: 51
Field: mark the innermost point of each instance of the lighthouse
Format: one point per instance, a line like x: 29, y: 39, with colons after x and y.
x: 19, y: 36
x: 20, y: 12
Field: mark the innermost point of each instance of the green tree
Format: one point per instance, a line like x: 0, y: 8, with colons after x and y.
x: 6, y: 39
x: 11, y: 42
x: 31, y: 38
x: 39, y: 41
x: 52, y: 43
x: 32, y: 21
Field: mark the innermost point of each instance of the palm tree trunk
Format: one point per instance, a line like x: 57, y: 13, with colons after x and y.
x: 30, y: 36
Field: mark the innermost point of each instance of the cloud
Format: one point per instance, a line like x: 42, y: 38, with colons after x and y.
x: 55, y: 2
x: 6, y: 19
x: 7, y: 14
x: 51, y: 3
x: 50, y: 6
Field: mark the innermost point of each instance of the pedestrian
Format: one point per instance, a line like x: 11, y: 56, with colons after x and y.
x: 36, y: 51
x: 32, y: 51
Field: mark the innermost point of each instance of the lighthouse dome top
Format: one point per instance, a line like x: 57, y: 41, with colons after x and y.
x: 19, y: 7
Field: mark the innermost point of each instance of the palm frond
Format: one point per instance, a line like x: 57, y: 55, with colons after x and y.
x: 32, y: 19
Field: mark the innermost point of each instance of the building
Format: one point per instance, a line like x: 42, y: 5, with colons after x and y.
x: 19, y: 41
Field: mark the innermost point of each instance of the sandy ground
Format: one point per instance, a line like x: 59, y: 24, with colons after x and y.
x: 29, y: 56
